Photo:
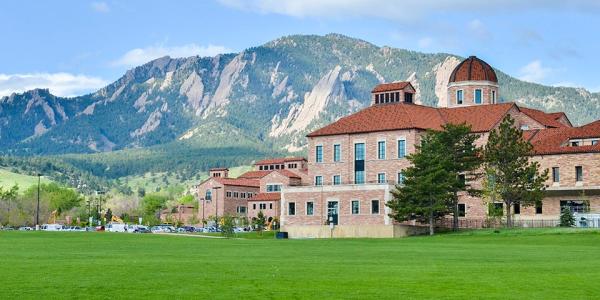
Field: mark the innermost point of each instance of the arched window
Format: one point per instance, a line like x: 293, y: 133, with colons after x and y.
x: 208, y: 196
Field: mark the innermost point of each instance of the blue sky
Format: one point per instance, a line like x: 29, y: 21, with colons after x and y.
x: 73, y: 47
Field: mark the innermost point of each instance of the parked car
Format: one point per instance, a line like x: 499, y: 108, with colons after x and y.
x: 25, y: 228
x: 99, y: 228
x: 162, y: 229
x: 141, y: 229
x: 186, y: 229
x: 8, y: 228
x: 52, y: 227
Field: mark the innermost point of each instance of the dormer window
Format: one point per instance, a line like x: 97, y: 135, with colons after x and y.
x: 408, y: 97
x: 478, y: 96
x: 524, y: 127
x: 459, y: 97
x: 594, y: 142
x: 574, y: 143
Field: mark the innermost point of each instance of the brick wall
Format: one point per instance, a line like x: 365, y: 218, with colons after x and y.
x: 469, y: 92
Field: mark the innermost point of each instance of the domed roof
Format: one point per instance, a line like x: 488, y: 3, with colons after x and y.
x: 473, y: 68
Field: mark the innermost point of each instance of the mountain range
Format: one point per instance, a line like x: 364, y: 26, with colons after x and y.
x: 239, y: 106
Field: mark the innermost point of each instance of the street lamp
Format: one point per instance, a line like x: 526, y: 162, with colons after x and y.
x: 37, y: 211
x: 216, y: 188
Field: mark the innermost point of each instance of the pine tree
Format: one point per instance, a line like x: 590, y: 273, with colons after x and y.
x: 514, y: 178
x: 566, y: 218
x: 458, y: 143
x: 427, y: 186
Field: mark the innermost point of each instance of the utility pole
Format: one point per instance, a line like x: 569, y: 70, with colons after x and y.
x: 37, y: 211
x: 216, y: 188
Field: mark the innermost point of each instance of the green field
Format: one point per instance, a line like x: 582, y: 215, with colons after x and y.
x: 524, y: 264
x: 8, y: 179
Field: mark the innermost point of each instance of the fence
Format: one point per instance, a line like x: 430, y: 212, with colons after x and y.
x: 496, y: 223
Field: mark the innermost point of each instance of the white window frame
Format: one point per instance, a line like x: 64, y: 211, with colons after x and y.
x: 493, y: 97
x: 384, y: 148
x: 462, y: 100
x: 401, y: 138
x: 319, y: 176
x: 340, y: 145
x: 378, y: 206
x: 322, y: 153
x: 398, y: 175
x: 306, y: 208
x: 295, y: 209
x: 333, y: 179
x: 384, y: 177
x: 475, y: 96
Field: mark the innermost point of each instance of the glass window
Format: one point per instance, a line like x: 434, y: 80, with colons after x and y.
x: 273, y: 187
x: 270, y: 205
x: 375, y: 207
x: 459, y: 97
x: 462, y: 209
x: 408, y: 97
x: 355, y: 207
x: 291, y: 208
x: 478, y: 96
x: 517, y: 208
x: 400, y: 178
x: 310, y: 208
x: 241, y: 209
x: 401, y: 148
x: 236, y: 194
x: 337, y: 152
x: 555, y: 174
x: 318, y: 180
x: 574, y: 206
x: 359, y: 163
x: 594, y: 142
x: 262, y: 206
x: 381, y: 178
x: 359, y: 177
x: 228, y: 194
x: 387, y: 97
x: 337, y: 179
x: 578, y: 173
x: 381, y: 150
x: 493, y: 97
x: 539, y: 208
x: 254, y: 206
x: 319, y: 153
x: 208, y: 195
x: 359, y: 151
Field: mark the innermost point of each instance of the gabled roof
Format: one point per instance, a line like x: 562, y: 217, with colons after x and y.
x: 392, y: 86
x: 237, y: 181
x: 546, y: 119
x: 555, y: 140
x: 266, y: 197
x: 261, y: 174
x: 400, y: 115
x: 279, y: 160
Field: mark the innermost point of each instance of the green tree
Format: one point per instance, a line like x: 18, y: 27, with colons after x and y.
x: 458, y: 143
x: 8, y: 197
x: 152, y: 204
x: 427, y: 185
x: 259, y: 222
x: 514, y: 178
x: 227, y: 225
x: 566, y: 218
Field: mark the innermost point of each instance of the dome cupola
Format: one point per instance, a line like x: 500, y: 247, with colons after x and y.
x: 473, y: 82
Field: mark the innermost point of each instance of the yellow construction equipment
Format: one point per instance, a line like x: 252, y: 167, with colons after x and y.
x: 117, y: 219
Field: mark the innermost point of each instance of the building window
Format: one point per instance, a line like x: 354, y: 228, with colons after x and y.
x: 539, y: 208
x: 241, y: 210
x: 318, y: 180
x: 493, y: 97
x: 462, y: 209
x: 459, y: 97
x: 319, y: 153
x: 337, y: 179
x: 401, y: 148
x: 387, y: 97
x: 408, y: 97
x: 355, y: 207
x: 375, y: 207
x: 381, y: 150
x: 243, y: 195
x: 575, y: 144
x: 208, y: 195
x: 337, y: 152
x: 291, y: 209
x: 381, y: 178
x: 270, y: 205
x: 594, y: 142
x: 236, y: 195
x: 228, y: 194
x: 578, y: 173
x: 478, y: 96
x: 400, y: 178
x: 517, y: 208
x: 574, y: 206
x: 359, y: 163
x: 310, y: 208
x: 262, y: 206
x: 273, y: 187
x: 555, y: 174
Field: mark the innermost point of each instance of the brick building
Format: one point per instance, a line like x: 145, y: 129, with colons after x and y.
x: 355, y: 162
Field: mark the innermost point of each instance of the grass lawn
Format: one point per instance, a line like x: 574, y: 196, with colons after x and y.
x: 525, y: 264
x: 8, y: 179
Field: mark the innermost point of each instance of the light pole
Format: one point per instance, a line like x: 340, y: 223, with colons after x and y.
x: 216, y: 188
x: 37, y: 210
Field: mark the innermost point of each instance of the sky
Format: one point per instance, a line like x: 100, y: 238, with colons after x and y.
x: 76, y: 46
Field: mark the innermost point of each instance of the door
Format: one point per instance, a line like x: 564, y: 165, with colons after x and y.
x: 332, y: 212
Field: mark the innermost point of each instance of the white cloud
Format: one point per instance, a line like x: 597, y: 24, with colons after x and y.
x: 101, y: 7
x: 478, y: 29
x: 139, y: 56
x: 60, y: 84
x: 400, y: 9
x: 534, y: 72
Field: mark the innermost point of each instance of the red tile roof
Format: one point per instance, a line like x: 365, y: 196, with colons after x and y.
x: 546, y: 119
x: 411, y: 116
x: 237, y: 181
x: 555, y: 140
x: 266, y: 197
x: 255, y: 174
x: 471, y: 69
x: 219, y: 169
x: 279, y: 160
x: 393, y: 86
x: 288, y: 173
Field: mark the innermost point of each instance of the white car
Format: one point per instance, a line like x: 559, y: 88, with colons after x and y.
x: 52, y: 227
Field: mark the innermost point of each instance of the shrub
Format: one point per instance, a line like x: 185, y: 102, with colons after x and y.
x: 566, y: 218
